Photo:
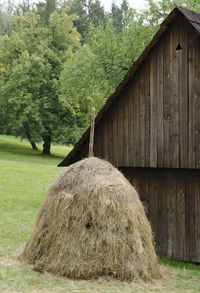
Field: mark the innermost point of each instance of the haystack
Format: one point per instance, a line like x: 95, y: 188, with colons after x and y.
x: 92, y: 224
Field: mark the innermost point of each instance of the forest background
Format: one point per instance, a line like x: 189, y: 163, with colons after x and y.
x: 60, y: 58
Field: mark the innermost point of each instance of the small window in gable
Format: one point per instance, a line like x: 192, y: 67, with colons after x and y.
x: 178, y: 48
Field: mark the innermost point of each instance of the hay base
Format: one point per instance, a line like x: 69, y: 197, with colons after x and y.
x: 92, y: 224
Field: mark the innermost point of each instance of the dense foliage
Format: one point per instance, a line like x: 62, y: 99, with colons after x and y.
x: 58, y: 59
x: 31, y: 62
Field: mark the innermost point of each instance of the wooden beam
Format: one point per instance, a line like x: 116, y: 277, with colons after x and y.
x: 91, y: 144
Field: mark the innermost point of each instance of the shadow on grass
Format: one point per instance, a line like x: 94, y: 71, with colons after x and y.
x: 15, y: 150
x: 23, y: 149
x: 7, y: 146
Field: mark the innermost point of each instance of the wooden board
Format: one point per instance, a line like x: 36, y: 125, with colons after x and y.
x: 110, y: 135
x: 160, y: 136
x: 153, y: 207
x: 166, y: 97
x: 197, y: 108
x: 180, y: 216
x: 147, y: 114
x: 104, y: 129
x: 136, y: 127
x: 142, y: 118
x: 183, y: 93
x: 130, y: 124
x: 171, y: 215
x: 115, y: 134
x: 125, y: 130
x: 153, y: 109
x: 162, y: 234
x: 192, y: 96
x: 197, y: 217
x: 120, y: 136
x: 96, y: 143
x: 190, y: 215
x: 174, y: 101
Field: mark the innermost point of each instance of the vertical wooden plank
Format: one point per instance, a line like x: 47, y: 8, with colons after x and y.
x: 197, y: 214
x: 135, y: 182
x: 84, y: 151
x: 144, y: 189
x: 147, y: 114
x: 162, y: 212
x: 146, y: 192
x: 100, y: 140
x: 91, y: 138
x: 125, y: 129
x: 136, y: 123
x: 160, y: 144
x: 171, y: 213
x: 130, y: 124
x: 120, y: 131
x: 197, y: 108
x: 153, y: 203
x: 183, y: 93
x: 190, y: 215
x: 104, y: 138
x: 153, y: 109
x: 109, y: 118
x: 166, y: 96
x: 174, y: 104
x: 192, y: 96
x: 96, y: 142
x: 197, y: 123
x: 115, y: 134
x: 180, y: 216
x: 159, y: 236
x: 142, y: 117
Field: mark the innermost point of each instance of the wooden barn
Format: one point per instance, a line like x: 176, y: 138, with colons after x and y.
x: 150, y: 129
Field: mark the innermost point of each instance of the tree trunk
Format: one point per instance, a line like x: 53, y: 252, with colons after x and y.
x: 33, y: 144
x: 47, y: 145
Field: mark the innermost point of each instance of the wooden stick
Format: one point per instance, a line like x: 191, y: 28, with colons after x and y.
x: 91, y: 145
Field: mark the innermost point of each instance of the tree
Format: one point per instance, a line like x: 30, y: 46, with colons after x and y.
x: 118, y: 15
x: 81, y: 87
x: 92, y: 73
x: 157, y: 11
x: 32, y: 58
x: 45, y: 9
x: 23, y: 7
x: 79, y: 8
x: 5, y: 18
x: 117, y: 52
x: 89, y: 12
x: 96, y: 13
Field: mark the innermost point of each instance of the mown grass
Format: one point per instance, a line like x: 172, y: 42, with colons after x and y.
x: 24, y: 179
x: 16, y: 150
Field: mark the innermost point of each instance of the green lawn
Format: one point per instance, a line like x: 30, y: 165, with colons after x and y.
x: 25, y: 176
x: 13, y: 149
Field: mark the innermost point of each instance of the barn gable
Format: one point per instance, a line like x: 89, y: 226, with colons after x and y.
x: 152, y: 119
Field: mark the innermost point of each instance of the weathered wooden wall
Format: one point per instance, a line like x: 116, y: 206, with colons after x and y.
x: 155, y: 122
x: 172, y: 201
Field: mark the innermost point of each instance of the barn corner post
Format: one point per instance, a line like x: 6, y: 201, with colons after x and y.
x: 92, y: 123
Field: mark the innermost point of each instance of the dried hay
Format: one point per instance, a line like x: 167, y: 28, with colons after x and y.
x: 92, y: 224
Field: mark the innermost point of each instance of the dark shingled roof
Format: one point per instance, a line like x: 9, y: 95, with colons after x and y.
x: 192, y: 17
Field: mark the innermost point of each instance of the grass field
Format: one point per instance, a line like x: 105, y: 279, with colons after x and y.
x: 25, y: 176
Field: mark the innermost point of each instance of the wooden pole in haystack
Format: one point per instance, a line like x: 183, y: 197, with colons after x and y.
x: 91, y: 144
